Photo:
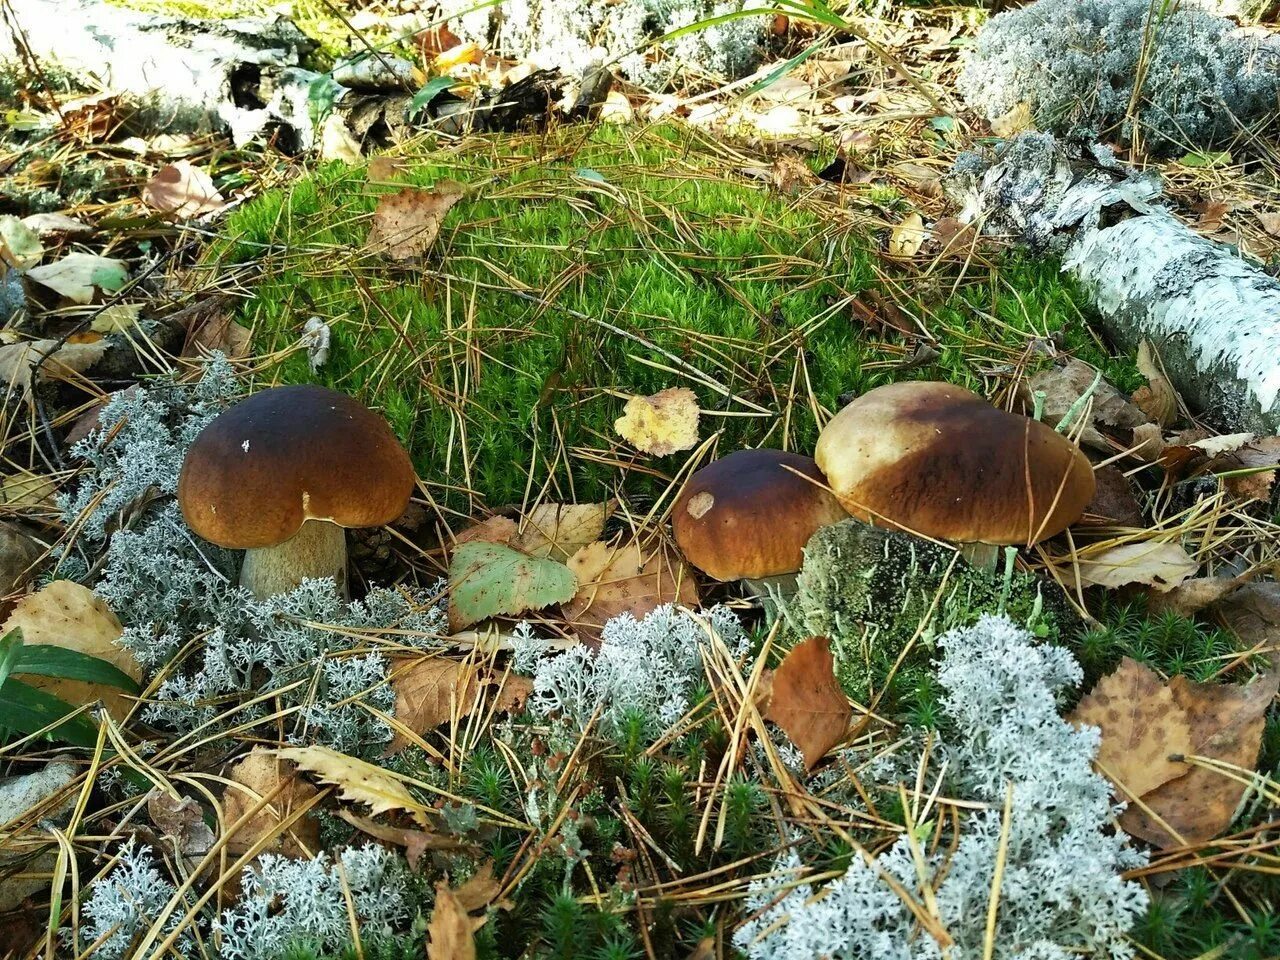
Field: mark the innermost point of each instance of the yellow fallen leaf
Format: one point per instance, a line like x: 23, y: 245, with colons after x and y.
x: 357, y: 780
x: 1161, y: 566
x: 117, y: 318
x: 662, y: 424
x: 907, y: 237
x: 559, y: 530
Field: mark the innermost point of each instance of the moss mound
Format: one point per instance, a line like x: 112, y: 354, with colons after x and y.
x: 584, y: 266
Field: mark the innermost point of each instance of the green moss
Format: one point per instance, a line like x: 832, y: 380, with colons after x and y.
x: 872, y: 590
x: 650, y: 262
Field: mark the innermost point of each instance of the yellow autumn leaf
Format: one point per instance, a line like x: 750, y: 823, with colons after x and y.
x: 662, y: 424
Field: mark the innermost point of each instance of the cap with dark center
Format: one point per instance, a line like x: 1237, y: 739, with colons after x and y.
x: 748, y: 515
x: 290, y: 458
x: 938, y: 460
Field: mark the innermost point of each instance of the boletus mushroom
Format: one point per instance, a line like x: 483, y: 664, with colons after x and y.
x: 938, y: 460
x: 747, y: 516
x: 281, y: 473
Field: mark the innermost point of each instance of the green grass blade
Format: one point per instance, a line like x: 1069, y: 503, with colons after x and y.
x: 10, y: 651
x: 25, y: 709
x: 45, y: 660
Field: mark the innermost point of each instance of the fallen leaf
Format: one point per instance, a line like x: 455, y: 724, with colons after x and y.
x: 1191, y: 596
x: 22, y: 488
x: 61, y: 361
x: 1226, y: 724
x: 259, y: 774
x: 68, y: 615
x: 358, y: 781
x: 1253, y: 613
x: 218, y: 332
x: 458, y: 55
x: 661, y: 424
x: 907, y: 237
x: 116, y: 318
x: 1148, y: 442
x: 1161, y: 566
x: 1016, y: 121
x: 451, y: 932
x: 1142, y: 727
x: 1211, y: 214
x: 415, y: 842
x: 337, y: 141
x: 559, y: 530
x: 1158, y: 400
x: 1113, y: 500
x: 489, y: 580
x: 56, y: 224
x: 435, y: 40
x: 880, y: 314
x: 630, y: 579
x: 20, y: 245
x: 791, y: 175
x: 806, y: 701
x: 183, y: 190
x: 954, y: 238
x: 1108, y: 407
x: 181, y: 820
x: 431, y: 691
x: 1270, y: 221
x: 496, y: 529
x: 384, y: 168
x: 406, y: 223
x: 77, y: 275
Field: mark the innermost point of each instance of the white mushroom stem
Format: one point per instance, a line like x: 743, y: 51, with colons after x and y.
x: 316, y: 551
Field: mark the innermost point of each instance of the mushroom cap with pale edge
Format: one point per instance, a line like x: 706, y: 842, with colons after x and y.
x: 938, y: 460
x: 747, y: 515
x: 287, y: 455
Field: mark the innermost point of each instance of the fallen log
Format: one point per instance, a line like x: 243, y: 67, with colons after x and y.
x: 194, y: 76
x: 1213, y: 316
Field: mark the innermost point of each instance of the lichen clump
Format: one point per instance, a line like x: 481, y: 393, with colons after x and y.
x: 1062, y: 894
x: 871, y: 590
x: 1075, y: 64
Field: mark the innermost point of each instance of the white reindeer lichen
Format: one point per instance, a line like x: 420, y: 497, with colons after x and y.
x: 1062, y: 895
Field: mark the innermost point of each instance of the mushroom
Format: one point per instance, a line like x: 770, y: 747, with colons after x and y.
x: 937, y: 460
x: 747, y: 516
x: 281, y: 473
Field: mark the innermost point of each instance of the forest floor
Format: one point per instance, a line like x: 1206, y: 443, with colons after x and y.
x: 777, y: 249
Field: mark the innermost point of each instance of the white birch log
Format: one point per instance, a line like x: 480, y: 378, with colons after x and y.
x: 1213, y: 316
x: 196, y: 75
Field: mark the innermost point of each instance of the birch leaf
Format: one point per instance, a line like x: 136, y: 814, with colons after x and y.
x: 183, y: 190
x: 406, y: 223
x: 493, y: 530
x: 20, y: 245
x: 430, y: 691
x: 56, y: 224
x: 69, y: 615
x: 451, y: 932
x: 631, y: 578
x: 662, y: 424
x: 807, y: 702
x: 1227, y: 721
x: 77, y: 275
x: 1142, y: 726
x: 117, y: 318
x: 1161, y: 566
x: 907, y: 237
x: 16, y: 360
x: 1158, y: 400
x: 559, y: 530
x: 257, y: 775
x: 357, y: 781
x: 490, y: 580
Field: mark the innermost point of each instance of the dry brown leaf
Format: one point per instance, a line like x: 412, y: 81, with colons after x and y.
x: 807, y: 702
x: 954, y: 238
x: 1161, y: 566
x: 494, y: 530
x: 559, y: 530
x: 1148, y: 442
x: 1108, y: 407
x: 383, y: 167
x: 182, y: 190
x: 257, y: 775
x: 181, y: 820
x: 431, y: 691
x: 415, y: 842
x: 63, y: 362
x: 217, y: 331
x: 1142, y: 727
x: 879, y: 314
x: 451, y: 932
x: 630, y: 579
x: 1253, y: 612
x: 662, y: 424
x: 68, y: 615
x: 358, y: 781
x: 406, y: 223
x: 1191, y: 596
x: 1226, y: 723
x: 1113, y: 500
x: 1211, y: 215
x: 1270, y: 221
x: 1158, y: 400
x: 907, y: 237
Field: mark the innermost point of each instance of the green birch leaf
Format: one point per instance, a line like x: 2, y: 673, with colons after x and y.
x: 491, y: 580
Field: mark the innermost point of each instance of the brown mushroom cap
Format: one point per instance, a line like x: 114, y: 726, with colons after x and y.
x: 747, y: 515
x: 287, y: 455
x: 938, y: 460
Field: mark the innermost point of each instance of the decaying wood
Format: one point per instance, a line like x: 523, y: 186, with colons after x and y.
x: 1213, y: 316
